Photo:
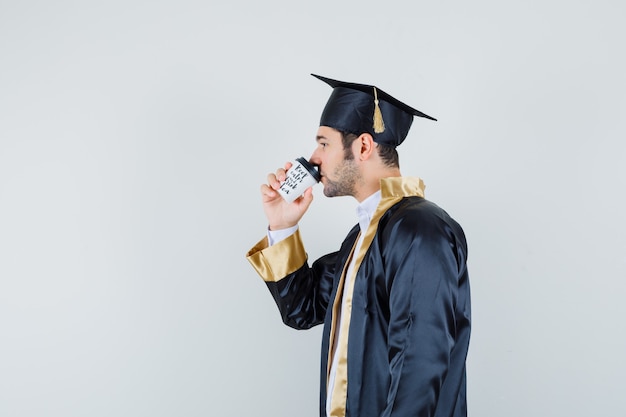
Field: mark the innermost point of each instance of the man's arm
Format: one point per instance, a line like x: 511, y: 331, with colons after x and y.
x: 301, y: 292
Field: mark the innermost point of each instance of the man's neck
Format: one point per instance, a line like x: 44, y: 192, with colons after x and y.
x: 369, y: 187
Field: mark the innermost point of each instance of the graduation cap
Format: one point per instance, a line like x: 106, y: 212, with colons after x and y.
x: 359, y: 108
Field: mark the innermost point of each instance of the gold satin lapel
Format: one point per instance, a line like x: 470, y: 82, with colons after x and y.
x: 392, y: 191
x: 401, y: 187
x: 338, y: 405
x: 336, y: 311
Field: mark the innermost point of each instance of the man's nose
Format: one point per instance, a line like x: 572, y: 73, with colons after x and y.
x: 314, y: 159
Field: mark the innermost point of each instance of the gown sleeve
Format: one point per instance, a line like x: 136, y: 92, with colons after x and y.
x: 429, y: 317
x: 301, y: 292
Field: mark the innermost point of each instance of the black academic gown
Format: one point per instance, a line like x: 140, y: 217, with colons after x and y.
x: 406, y: 335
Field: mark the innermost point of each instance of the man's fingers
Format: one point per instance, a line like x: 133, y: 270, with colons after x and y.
x: 281, y: 174
x: 308, y: 195
x: 267, y: 192
x: 273, y: 181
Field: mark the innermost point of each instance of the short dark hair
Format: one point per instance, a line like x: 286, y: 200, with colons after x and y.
x: 388, y: 153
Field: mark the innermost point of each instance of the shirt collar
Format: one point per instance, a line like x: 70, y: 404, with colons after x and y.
x: 365, y: 210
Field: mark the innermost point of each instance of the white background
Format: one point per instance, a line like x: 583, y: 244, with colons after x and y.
x: 134, y: 136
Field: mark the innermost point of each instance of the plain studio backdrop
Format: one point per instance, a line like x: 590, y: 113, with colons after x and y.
x: 134, y: 136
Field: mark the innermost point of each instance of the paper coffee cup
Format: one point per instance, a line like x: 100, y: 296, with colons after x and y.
x: 300, y: 176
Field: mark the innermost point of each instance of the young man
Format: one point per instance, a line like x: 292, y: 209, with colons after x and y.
x: 395, y: 298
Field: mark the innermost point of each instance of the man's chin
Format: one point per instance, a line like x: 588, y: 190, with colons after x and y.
x: 329, y: 192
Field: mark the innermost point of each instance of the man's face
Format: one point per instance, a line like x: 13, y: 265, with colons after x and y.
x: 337, y: 166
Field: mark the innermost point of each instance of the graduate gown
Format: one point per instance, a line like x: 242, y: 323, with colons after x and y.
x: 405, y: 332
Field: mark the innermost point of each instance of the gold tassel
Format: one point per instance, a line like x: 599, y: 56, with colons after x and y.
x: 379, y: 125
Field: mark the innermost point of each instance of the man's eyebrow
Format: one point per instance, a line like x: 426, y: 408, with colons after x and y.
x: 320, y: 137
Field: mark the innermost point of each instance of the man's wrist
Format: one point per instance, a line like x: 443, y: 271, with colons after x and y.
x: 275, y: 227
x: 275, y: 236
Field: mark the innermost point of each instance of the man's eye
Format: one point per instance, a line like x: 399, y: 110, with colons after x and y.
x: 323, y: 145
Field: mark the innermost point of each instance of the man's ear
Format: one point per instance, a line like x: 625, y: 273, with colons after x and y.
x: 366, y: 146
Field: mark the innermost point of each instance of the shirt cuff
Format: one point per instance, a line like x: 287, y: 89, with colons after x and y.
x: 275, y: 236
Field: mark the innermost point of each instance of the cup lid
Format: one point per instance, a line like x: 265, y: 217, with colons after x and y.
x: 311, y: 168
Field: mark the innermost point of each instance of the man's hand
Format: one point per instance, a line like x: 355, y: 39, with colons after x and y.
x: 279, y: 213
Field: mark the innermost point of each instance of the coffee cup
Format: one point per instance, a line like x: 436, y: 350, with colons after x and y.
x: 300, y: 176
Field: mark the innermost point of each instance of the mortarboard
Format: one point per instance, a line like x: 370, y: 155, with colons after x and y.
x: 359, y: 108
